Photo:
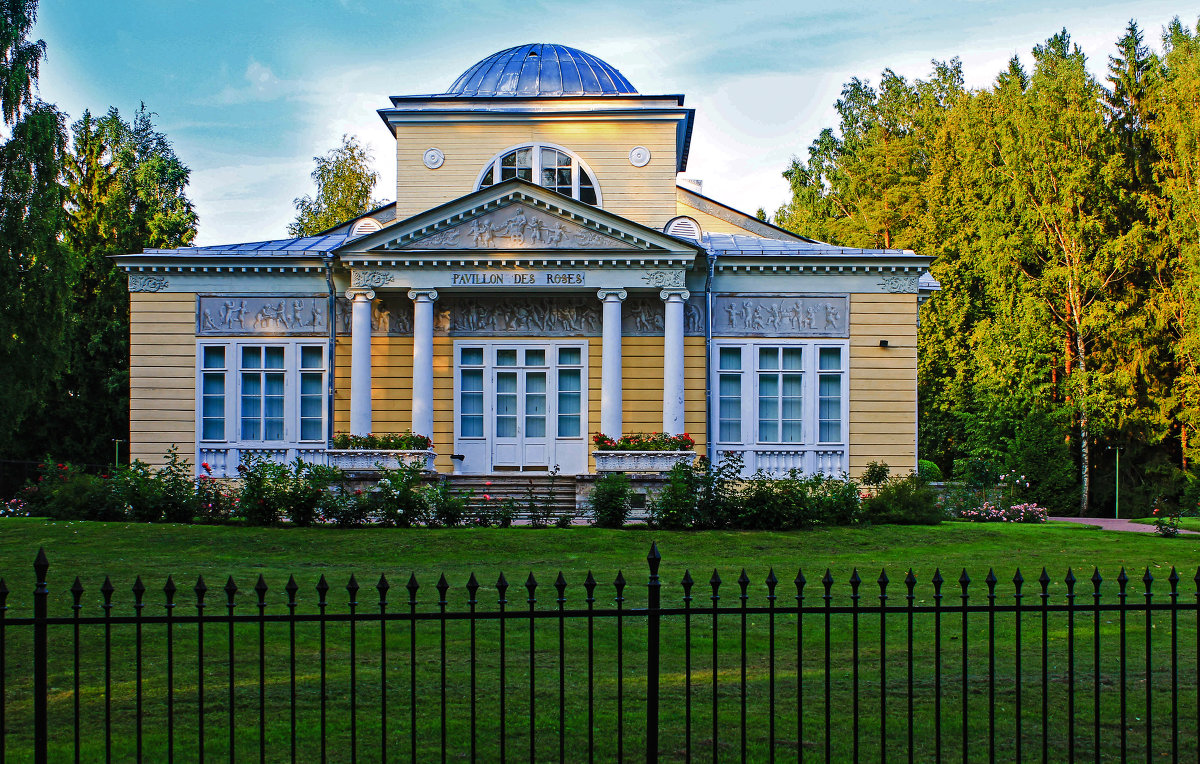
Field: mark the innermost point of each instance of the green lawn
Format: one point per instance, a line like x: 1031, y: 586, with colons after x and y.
x: 123, y: 551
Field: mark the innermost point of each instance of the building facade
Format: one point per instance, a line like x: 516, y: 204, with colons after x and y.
x: 542, y: 276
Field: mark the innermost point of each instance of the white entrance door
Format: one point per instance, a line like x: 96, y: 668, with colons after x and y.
x: 521, y: 409
x: 520, y: 406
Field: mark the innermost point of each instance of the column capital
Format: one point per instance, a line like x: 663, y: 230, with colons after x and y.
x: 619, y: 294
x: 671, y: 294
x: 422, y: 295
x: 355, y: 292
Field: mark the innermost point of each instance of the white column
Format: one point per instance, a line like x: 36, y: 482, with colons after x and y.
x: 673, y: 360
x: 610, y: 368
x: 422, y: 374
x: 360, y: 360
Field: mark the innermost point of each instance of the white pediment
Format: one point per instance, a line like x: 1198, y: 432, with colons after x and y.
x: 514, y: 226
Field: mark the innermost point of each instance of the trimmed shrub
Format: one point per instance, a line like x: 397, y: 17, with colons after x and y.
x: 834, y: 501
x: 875, y: 474
x: 903, y: 501
x: 447, y: 508
x: 176, y: 492
x: 717, y: 491
x: 263, y: 497
x: 399, y: 497
x: 63, y: 491
x: 929, y: 470
x: 609, y: 500
x: 674, y: 506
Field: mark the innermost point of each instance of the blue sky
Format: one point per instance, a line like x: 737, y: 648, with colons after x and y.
x: 249, y: 91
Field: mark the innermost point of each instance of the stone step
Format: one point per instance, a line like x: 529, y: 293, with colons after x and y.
x: 555, y: 494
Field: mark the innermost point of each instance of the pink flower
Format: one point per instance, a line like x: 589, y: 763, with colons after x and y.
x: 487, y: 497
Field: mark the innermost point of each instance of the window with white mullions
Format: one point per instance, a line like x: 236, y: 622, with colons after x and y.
x: 262, y: 393
x: 535, y: 404
x: 829, y: 391
x: 255, y: 393
x: 551, y: 167
x: 729, y: 395
x: 780, y: 394
x: 470, y: 392
x: 570, y: 392
x: 312, y: 392
x: 506, y: 404
x: 212, y: 384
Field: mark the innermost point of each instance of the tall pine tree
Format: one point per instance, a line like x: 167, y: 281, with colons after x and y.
x: 36, y: 270
x: 126, y: 193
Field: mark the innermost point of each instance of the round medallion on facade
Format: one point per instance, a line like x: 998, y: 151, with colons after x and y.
x: 639, y: 156
x: 434, y: 158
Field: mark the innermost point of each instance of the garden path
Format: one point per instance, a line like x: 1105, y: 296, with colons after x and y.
x: 1112, y: 524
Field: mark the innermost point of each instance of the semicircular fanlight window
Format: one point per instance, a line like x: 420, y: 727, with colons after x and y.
x: 547, y: 166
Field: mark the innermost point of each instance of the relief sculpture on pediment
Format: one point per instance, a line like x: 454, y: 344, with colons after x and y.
x: 517, y: 226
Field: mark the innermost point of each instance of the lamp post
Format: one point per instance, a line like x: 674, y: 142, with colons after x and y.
x: 117, y: 451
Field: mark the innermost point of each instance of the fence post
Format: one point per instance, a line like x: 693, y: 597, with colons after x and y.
x: 40, y: 689
x: 652, y: 653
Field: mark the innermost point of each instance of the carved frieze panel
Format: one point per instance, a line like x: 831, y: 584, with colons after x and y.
x: 664, y: 278
x: 370, y: 279
x: 140, y: 282
x: 643, y: 314
x: 575, y: 314
x: 262, y: 315
x: 770, y: 316
x: 518, y: 226
x: 550, y: 316
x: 900, y: 284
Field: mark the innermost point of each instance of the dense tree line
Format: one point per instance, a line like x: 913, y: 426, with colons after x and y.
x: 1064, y: 215
x: 70, y: 198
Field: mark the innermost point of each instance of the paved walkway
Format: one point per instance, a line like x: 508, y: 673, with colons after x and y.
x: 1112, y: 524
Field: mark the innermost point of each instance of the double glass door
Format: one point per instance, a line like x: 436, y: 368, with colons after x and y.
x: 520, y: 407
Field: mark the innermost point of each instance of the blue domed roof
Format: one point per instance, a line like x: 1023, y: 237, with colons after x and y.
x: 541, y: 70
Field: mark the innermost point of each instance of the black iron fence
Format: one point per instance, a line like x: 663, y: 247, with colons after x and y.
x: 818, y: 670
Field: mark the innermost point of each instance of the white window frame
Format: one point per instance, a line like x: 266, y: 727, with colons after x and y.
x: 810, y: 411
x: 233, y: 392
x: 489, y: 369
x: 577, y: 165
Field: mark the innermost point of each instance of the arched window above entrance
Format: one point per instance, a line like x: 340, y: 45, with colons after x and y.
x: 547, y: 165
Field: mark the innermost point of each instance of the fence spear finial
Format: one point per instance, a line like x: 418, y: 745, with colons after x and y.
x: 41, y: 565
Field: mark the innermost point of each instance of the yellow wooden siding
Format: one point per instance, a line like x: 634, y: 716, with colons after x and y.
x: 643, y: 194
x: 710, y: 223
x: 642, y: 386
x: 883, y: 381
x: 162, y: 374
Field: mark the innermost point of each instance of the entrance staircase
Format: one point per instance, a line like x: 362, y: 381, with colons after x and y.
x: 532, y: 493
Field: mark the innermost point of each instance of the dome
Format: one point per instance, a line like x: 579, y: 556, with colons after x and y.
x: 541, y: 70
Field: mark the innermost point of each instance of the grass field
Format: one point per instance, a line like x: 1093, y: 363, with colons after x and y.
x: 123, y: 551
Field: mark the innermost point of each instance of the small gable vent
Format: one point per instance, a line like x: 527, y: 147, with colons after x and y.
x: 365, y: 226
x: 683, y: 227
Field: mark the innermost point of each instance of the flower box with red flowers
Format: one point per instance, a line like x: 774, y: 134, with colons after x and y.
x: 642, y: 452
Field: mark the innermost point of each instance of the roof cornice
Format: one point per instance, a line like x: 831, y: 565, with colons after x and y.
x: 400, y: 243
